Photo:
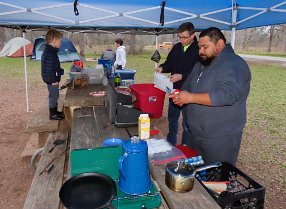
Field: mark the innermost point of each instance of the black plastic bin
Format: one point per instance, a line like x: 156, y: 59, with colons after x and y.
x: 250, y: 197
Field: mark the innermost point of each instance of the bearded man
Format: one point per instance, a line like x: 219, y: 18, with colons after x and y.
x: 214, y: 99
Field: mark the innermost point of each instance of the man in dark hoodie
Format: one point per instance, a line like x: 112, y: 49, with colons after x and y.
x: 52, y: 71
x: 180, y: 62
x: 215, y: 96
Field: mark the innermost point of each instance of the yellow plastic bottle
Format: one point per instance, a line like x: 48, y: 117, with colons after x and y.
x: 144, y: 126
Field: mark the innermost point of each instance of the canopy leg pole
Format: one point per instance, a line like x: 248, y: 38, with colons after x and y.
x: 156, y: 42
x: 233, y: 33
x: 26, y: 77
x: 233, y: 23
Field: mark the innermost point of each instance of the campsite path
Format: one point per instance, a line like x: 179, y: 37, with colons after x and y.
x: 281, y: 61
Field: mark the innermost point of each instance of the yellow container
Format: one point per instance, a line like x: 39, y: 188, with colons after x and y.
x: 144, y: 126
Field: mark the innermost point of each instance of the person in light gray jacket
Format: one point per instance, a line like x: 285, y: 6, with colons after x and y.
x: 108, y: 54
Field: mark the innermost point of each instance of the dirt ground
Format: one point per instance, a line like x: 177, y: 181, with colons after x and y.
x: 16, y: 175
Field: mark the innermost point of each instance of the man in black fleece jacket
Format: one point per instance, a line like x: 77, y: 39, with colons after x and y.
x: 52, y: 71
x: 180, y: 62
x: 214, y: 96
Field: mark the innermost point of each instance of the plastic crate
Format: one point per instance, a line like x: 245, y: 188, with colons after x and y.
x: 149, y: 99
x: 250, y: 197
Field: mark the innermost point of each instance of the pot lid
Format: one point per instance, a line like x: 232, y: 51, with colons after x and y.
x: 180, y: 169
x: 135, y: 145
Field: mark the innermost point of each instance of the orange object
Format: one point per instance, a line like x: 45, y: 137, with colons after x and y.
x: 20, y: 51
x: 78, y: 63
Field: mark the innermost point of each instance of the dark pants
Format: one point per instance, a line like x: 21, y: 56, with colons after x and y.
x: 221, y: 149
x: 174, y: 113
x: 53, y: 95
x: 119, y: 67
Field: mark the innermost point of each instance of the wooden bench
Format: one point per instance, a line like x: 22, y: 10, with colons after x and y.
x: 44, y: 190
x: 40, y: 126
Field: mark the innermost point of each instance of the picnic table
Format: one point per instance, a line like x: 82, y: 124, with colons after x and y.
x: 90, y: 125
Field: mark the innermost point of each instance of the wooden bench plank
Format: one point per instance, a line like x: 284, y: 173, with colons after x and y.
x: 44, y: 190
x: 39, y: 120
x: 85, y: 133
x: 198, y: 198
x: 81, y: 97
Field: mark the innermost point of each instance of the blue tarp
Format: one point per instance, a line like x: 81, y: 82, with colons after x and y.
x: 139, y: 14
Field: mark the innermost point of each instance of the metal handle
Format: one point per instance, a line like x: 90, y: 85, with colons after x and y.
x: 120, y: 162
x: 214, y: 165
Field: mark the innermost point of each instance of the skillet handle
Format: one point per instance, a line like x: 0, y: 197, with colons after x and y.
x: 120, y: 163
x: 214, y: 165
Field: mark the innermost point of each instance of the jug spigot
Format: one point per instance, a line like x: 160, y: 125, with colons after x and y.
x: 134, y: 139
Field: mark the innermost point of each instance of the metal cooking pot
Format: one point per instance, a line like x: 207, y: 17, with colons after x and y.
x: 180, y: 175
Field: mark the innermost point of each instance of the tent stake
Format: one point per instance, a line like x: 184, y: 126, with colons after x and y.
x: 26, y: 77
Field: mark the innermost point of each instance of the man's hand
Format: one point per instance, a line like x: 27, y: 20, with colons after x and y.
x: 159, y: 70
x: 176, y: 77
x: 55, y: 84
x: 182, y: 98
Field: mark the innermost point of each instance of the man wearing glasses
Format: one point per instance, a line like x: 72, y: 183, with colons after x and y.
x: 180, y: 62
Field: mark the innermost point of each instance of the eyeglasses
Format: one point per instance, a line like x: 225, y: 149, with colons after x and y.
x: 183, y: 37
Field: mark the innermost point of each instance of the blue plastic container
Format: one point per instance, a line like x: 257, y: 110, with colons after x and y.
x: 126, y: 74
x: 112, y: 142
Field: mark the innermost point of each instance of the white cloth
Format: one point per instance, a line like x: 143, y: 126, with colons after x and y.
x: 120, y: 56
x: 157, y: 146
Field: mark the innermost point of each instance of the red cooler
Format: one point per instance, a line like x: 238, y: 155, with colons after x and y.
x: 148, y: 99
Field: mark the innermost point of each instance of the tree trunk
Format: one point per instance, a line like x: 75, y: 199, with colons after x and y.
x: 2, y: 38
x: 132, y: 49
x: 270, y: 38
x: 82, y: 45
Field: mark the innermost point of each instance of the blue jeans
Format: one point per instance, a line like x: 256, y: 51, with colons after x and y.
x: 53, y: 95
x: 174, y: 113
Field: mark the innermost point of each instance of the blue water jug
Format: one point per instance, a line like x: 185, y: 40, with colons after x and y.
x: 134, y: 173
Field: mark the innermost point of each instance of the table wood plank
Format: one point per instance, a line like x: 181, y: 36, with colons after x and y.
x: 106, y: 129
x: 84, y: 133
x: 44, y: 190
x: 198, y: 198
x: 81, y: 97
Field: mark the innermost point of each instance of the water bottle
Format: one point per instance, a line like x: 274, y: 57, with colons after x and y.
x: 117, y: 80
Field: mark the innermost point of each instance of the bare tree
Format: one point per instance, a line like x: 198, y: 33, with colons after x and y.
x: 132, y: 48
x: 271, y: 33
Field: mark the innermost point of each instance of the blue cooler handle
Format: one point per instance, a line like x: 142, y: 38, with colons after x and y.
x: 120, y: 162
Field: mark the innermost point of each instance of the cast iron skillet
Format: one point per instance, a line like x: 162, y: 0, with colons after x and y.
x: 88, y: 191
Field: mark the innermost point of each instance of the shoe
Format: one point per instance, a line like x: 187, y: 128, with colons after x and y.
x: 54, y: 115
x: 61, y: 114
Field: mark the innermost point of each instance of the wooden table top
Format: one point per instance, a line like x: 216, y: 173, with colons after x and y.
x: 81, y: 97
x: 91, y: 126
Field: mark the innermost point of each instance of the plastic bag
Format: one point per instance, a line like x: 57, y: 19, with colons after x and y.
x: 156, y: 56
